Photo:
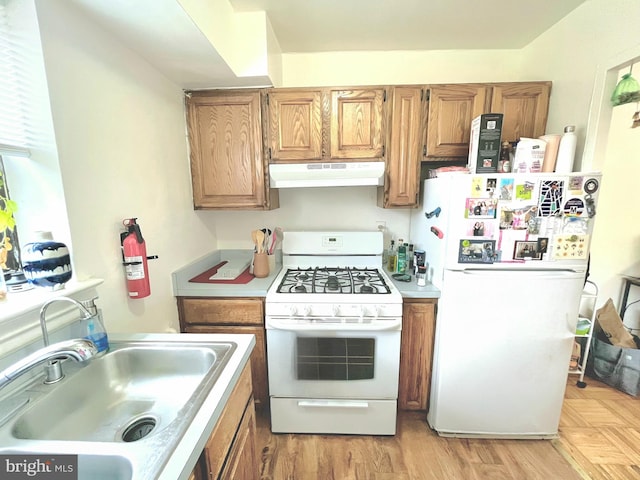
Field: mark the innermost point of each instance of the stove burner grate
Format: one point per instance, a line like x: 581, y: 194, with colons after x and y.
x: 336, y: 280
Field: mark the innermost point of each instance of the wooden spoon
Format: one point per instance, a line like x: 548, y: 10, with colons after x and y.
x: 254, y: 237
x: 259, y: 241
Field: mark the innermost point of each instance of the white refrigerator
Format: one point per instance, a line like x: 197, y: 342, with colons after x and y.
x: 510, y: 256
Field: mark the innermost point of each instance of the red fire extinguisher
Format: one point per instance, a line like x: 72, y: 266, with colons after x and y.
x: 134, y: 253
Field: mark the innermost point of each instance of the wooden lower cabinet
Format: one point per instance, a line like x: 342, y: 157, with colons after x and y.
x: 416, y: 353
x: 231, y: 315
x: 242, y: 461
x: 230, y: 452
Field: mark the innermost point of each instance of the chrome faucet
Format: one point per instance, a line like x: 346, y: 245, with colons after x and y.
x: 43, y: 325
x: 78, y: 349
x: 53, y: 368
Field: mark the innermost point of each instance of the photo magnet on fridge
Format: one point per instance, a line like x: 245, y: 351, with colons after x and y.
x: 527, y: 251
x: 481, y: 208
x: 477, y: 251
x: 506, y: 189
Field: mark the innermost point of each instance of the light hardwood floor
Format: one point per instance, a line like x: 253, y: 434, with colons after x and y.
x: 599, y: 440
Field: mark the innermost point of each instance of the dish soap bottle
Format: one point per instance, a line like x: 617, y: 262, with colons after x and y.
x: 92, y: 328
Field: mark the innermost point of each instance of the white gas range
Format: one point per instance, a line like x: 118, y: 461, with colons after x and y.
x: 333, y: 320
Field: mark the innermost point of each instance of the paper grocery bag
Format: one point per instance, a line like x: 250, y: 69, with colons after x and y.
x: 612, y: 325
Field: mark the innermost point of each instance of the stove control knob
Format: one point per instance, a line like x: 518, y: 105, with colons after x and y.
x: 306, y: 311
x: 335, y: 310
x: 292, y: 311
x: 378, y: 311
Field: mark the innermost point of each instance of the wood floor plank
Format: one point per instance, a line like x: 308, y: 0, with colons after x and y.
x: 599, y: 439
x: 595, y: 446
x: 627, y: 440
x: 594, y: 413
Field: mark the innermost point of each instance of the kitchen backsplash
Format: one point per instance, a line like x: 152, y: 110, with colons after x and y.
x: 335, y: 208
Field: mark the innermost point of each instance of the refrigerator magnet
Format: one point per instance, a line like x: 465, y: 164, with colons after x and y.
x: 476, y: 187
x: 591, y: 186
x: 476, y: 251
x: 524, y: 191
x: 574, y: 207
x: 575, y: 183
x: 551, y: 194
x: 516, y: 218
x: 480, y: 208
x: 492, y: 184
x: 479, y: 228
x: 526, y: 251
x: 570, y: 247
x: 506, y: 189
x: 542, y: 244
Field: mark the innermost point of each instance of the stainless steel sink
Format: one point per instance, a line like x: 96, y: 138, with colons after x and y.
x: 134, y: 391
x: 132, y: 406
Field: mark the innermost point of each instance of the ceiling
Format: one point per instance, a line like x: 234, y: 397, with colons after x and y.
x: 163, y: 33
x: 351, y: 25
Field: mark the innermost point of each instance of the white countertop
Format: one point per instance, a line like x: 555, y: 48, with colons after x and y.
x: 182, y: 287
x: 413, y: 290
x: 258, y: 287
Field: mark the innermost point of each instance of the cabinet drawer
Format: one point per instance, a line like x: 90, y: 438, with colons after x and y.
x: 228, y: 311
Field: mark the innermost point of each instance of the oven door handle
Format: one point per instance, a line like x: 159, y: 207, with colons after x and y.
x: 333, y: 404
x: 378, y: 326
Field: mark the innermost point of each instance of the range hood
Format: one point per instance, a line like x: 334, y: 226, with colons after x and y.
x: 335, y: 174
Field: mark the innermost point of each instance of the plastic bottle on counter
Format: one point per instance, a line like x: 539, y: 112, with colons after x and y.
x: 92, y: 328
x: 392, y: 259
x: 402, y: 257
x: 410, y: 258
x: 566, y: 150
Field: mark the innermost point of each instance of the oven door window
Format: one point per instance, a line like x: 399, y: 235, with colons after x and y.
x: 320, y: 358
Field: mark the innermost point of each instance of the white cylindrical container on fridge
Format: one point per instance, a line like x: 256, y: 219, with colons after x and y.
x: 566, y: 150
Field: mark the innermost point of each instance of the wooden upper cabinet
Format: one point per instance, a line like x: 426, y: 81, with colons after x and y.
x: 451, y: 110
x: 225, y: 139
x: 525, y: 107
x: 295, y: 124
x: 404, y: 152
x: 357, y: 123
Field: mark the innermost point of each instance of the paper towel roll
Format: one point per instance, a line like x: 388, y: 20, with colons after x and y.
x: 551, y: 152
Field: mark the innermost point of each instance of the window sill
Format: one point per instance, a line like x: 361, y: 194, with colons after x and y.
x: 22, y: 303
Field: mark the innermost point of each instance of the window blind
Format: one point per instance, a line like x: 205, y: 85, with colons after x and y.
x: 16, y: 133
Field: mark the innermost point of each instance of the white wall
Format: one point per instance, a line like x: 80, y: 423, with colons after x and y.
x: 339, y: 208
x: 402, y: 67
x: 576, y: 54
x: 573, y: 53
x: 616, y: 245
x: 121, y: 139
